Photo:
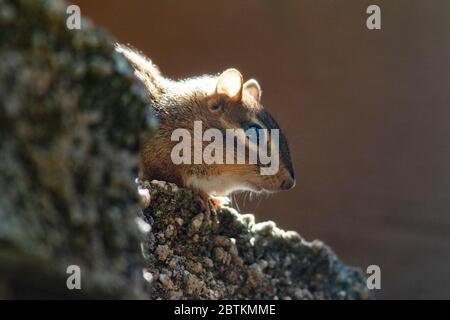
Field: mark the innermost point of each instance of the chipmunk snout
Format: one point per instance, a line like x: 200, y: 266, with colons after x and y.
x: 288, y: 183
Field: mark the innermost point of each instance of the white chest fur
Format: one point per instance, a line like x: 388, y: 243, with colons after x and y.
x: 220, y: 185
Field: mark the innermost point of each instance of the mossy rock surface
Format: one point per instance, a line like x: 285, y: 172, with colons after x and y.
x: 72, y: 119
x: 227, y: 255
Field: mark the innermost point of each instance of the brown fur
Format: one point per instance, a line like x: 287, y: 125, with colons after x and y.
x: 178, y: 104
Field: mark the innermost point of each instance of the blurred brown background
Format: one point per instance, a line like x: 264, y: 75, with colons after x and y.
x: 367, y: 114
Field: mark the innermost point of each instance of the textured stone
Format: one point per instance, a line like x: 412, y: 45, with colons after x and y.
x: 235, y: 258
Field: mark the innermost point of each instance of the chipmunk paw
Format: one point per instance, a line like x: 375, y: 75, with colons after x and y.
x: 206, y: 202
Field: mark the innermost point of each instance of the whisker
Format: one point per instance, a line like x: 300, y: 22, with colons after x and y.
x: 259, y: 201
x: 236, y: 202
x: 245, y: 197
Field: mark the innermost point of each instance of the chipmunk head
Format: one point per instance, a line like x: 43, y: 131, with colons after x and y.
x: 232, y: 104
x: 220, y: 103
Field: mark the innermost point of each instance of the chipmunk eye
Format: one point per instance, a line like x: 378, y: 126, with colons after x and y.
x: 216, y: 106
x: 253, y: 127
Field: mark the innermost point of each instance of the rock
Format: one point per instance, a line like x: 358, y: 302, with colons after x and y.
x: 144, y: 198
x: 197, y: 221
x: 232, y: 257
x: 72, y: 119
x: 162, y: 252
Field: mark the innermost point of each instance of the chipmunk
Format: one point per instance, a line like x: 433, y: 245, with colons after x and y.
x: 221, y: 102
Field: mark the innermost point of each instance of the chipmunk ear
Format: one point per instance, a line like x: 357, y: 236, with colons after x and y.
x: 252, y: 87
x: 229, y: 84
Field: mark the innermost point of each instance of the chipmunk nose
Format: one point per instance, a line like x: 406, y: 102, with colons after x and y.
x: 288, y: 183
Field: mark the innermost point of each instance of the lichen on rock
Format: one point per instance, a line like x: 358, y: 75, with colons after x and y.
x: 226, y: 255
x: 72, y: 118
